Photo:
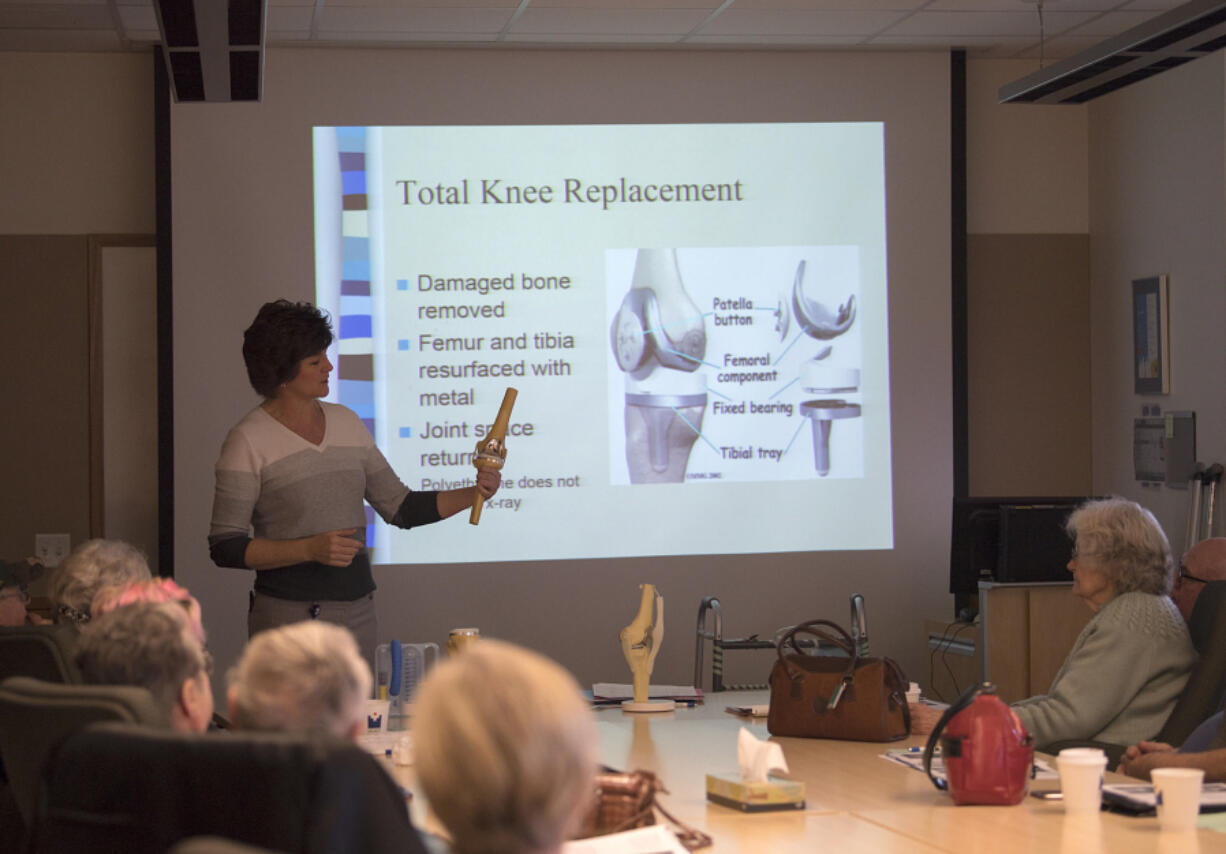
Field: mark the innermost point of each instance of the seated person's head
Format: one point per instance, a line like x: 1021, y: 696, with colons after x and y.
x: 1119, y: 547
x: 15, y: 579
x: 151, y: 645
x: 153, y: 590
x: 505, y: 749
x: 304, y: 677
x: 1203, y: 563
x: 91, y: 566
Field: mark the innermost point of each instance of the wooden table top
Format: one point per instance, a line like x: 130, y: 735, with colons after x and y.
x: 856, y: 801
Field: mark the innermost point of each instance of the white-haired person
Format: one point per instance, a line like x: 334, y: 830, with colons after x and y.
x: 505, y: 750
x: 153, y: 645
x: 90, y: 567
x: 305, y: 677
x: 1129, y: 665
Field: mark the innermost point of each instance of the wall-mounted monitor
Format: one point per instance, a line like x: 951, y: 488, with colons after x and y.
x: 1010, y: 539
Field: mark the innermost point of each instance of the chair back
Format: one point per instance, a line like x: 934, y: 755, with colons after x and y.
x: 116, y: 787
x: 43, y: 652
x: 35, y: 716
x: 1205, y: 691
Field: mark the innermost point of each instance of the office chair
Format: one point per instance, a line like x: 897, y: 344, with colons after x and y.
x: 35, y: 716
x: 1205, y: 692
x: 42, y: 652
x: 118, y: 787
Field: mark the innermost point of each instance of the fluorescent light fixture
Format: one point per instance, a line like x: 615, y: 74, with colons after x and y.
x: 1184, y: 33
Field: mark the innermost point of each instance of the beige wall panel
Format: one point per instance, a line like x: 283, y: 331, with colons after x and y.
x: 1158, y: 197
x: 45, y: 351
x: 1027, y: 165
x: 1029, y: 364
x: 76, y: 143
x: 129, y: 398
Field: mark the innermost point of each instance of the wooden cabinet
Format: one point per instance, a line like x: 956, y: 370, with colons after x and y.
x: 1025, y: 632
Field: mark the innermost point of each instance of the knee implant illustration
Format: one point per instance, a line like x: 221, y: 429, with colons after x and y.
x: 659, y: 340
x: 822, y: 375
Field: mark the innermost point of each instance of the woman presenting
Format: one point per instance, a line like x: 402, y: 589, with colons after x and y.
x: 291, y: 480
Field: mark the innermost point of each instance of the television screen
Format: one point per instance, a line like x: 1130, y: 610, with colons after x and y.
x: 1006, y: 539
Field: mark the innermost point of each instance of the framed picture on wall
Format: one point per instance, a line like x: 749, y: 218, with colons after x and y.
x: 1151, y: 336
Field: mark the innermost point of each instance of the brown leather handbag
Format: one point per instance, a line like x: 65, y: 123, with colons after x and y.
x: 843, y: 696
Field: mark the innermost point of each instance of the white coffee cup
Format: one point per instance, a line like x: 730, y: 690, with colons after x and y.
x: 1178, y: 791
x: 1081, y: 778
x: 377, y: 715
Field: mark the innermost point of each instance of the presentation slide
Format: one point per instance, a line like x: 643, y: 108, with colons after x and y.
x: 693, y: 318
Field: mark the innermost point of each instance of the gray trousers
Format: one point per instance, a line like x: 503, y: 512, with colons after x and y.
x: 268, y: 612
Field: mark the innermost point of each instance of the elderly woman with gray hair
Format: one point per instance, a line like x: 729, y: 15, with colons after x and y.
x: 1128, y: 666
x: 505, y: 748
x: 92, y: 566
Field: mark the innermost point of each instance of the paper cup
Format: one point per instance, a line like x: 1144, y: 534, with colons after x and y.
x: 1081, y: 779
x: 1178, y: 791
x: 377, y: 715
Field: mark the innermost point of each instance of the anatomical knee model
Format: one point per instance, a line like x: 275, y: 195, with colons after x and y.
x: 820, y: 375
x: 641, y: 641
x: 659, y: 340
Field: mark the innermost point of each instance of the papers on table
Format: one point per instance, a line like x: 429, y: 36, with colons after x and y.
x: 655, y: 839
x: 1139, y: 797
x: 604, y: 693
x: 913, y: 757
x: 758, y: 710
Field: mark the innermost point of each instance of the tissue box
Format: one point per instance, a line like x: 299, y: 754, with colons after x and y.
x: 775, y: 793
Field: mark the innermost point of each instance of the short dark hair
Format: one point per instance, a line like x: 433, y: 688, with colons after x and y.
x: 282, y: 335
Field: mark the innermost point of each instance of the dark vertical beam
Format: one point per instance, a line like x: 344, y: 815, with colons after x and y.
x: 958, y: 284
x: 165, y: 317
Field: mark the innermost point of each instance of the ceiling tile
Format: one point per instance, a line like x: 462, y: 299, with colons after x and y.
x: 60, y: 40
x: 1111, y: 24
x: 607, y: 39
x: 607, y: 21
x: 30, y: 17
x: 956, y: 25
x: 791, y: 40
x: 385, y: 23
x: 799, y: 22
x: 289, y: 19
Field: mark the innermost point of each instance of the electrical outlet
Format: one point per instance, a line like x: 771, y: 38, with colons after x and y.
x: 52, y: 548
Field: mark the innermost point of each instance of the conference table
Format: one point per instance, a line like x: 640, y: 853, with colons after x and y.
x: 856, y: 800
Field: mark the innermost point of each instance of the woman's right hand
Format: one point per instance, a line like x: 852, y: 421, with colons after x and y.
x: 334, y: 548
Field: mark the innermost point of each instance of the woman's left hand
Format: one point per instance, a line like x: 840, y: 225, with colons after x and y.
x: 488, y: 481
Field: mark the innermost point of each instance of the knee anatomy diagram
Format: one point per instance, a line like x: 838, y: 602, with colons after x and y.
x: 713, y: 384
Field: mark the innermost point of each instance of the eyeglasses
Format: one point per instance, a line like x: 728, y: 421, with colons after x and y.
x: 1184, y: 575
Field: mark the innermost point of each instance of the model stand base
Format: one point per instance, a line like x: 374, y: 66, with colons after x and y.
x: 649, y: 706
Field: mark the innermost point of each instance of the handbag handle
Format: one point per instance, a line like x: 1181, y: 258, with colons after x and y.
x: 968, y: 696
x: 842, y: 640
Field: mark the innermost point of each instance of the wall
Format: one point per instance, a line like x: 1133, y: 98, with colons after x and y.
x: 1157, y: 205
x: 45, y: 429
x: 53, y: 102
x: 76, y: 158
x: 242, y: 169
x: 1028, y: 272
x: 76, y: 152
